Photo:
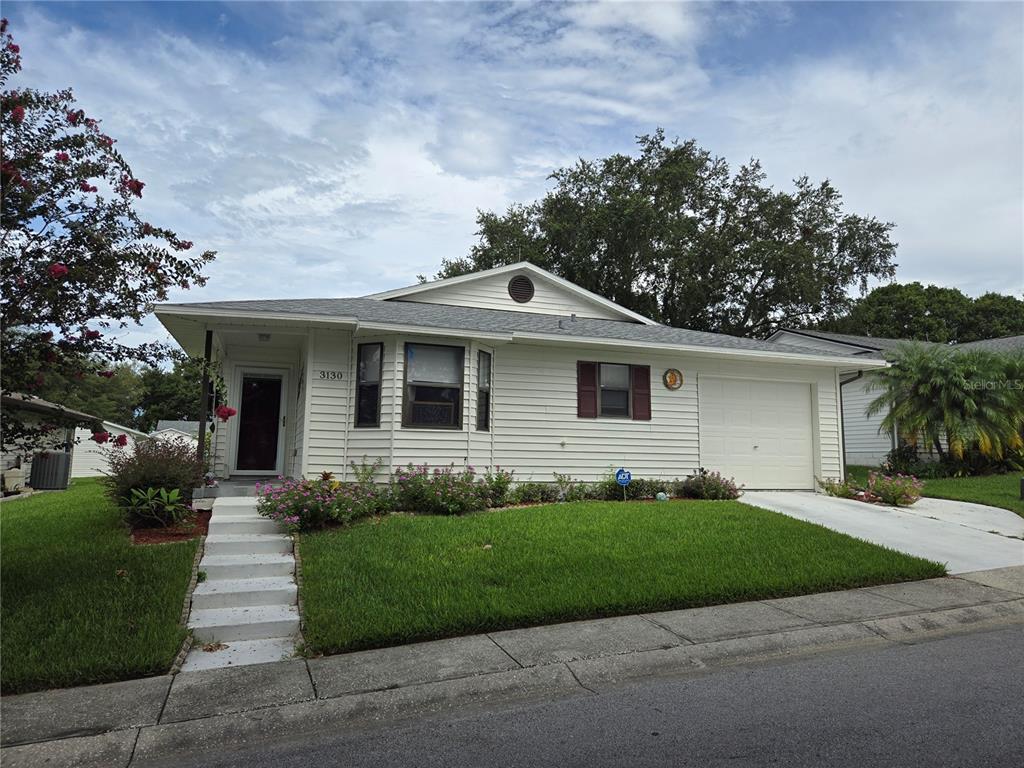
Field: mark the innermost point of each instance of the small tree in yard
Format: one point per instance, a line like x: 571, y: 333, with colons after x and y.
x: 974, y: 400
x: 76, y: 258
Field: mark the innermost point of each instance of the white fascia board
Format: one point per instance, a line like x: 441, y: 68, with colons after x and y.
x: 524, y: 266
x: 693, y: 349
x: 422, y: 330
x: 253, y: 316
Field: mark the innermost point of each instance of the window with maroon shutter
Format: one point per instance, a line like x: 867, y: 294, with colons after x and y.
x: 586, y: 390
x: 640, y: 376
x: 613, y: 390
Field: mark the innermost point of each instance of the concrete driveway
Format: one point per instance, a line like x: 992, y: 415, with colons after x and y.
x: 966, y: 537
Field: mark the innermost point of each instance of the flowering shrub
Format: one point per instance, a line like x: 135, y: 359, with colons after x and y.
x: 897, y: 490
x: 441, y: 491
x: 842, y: 490
x: 168, y: 464
x: 707, y: 485
x: 301, y: 505
x: 497, y: 482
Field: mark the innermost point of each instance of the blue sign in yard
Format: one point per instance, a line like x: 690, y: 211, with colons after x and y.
x: 623, y: 476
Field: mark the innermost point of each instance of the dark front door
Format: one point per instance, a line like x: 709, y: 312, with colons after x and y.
x: 258, y: 423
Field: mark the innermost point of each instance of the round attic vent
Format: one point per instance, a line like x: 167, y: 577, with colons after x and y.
x: 520, y: 288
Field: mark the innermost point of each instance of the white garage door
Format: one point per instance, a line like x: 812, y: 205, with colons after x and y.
x: 757, y: 431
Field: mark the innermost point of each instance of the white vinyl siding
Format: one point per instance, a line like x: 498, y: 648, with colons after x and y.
x: 534, y: 427
x: 89, y: 459
x: 492, y: 293
x: 866, y: 441
x: 329, y: 402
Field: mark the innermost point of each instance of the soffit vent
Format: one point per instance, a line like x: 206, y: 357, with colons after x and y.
x: 520, y: 288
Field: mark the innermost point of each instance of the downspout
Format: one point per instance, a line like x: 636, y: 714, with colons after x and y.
x: 843, y: 383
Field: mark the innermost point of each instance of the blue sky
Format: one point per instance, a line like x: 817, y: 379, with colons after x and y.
x: 340, y: 149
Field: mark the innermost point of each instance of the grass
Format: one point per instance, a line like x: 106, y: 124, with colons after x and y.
x: 995, y: 490
x: 407, y: 578
x: 80, y: 603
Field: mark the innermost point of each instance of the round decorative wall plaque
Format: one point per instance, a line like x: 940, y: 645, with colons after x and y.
x: 672, y: 378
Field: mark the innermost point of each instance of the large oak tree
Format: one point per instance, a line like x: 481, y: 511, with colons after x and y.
x: 675, y: 234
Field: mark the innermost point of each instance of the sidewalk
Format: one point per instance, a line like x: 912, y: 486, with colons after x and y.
x: 152, y: 720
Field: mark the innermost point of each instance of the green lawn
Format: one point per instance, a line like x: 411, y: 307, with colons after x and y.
x: 80, y: 604
x: 406, y: 578
x: 994, y: 490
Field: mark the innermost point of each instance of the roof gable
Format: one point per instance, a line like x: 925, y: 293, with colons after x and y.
x: 489, y: 289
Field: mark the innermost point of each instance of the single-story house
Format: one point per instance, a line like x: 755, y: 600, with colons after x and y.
x: 171, y: 433
x: 89, y: 458
x: 513, y: 367
x: 864, y: 440
x: 180, y: 426
x: 55, y: 428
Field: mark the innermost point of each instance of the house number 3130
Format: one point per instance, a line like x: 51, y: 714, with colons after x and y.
x: 330, y: 375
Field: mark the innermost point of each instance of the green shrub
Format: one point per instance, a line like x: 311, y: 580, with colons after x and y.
x: 168, y: 464
x: 441, y: 491
x: 497, y: 484
x: 843, y: 490
x: 896, y: 490
x: 572, y: 490
x: 156, y: 506
x: 534, y: 493
x: 706, y: 485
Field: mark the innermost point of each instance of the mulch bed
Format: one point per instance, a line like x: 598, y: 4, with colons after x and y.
x: 199, y: 525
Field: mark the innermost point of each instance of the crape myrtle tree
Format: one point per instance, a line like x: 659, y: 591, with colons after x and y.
x: 674, y: 234
x: 77, y: 261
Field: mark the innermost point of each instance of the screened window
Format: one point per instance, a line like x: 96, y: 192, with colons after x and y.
x: 483, y: 395
x: 433, y: 386
x: 368, y: 378
x: 614, y: 388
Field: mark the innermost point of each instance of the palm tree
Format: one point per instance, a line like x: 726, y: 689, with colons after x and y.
x: 972, y: 400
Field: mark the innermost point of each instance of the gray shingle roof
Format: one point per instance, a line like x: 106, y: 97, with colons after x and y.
x: 443, y: 316
x: 1004, y: 344
x: 875, y: 343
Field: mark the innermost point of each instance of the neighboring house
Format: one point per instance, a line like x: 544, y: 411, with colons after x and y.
x: 59, y: 433
x: 188, y: 428
x: 865, y: 442
x: 171, y: 433
x: 89, y: 458
x: 513, y: 367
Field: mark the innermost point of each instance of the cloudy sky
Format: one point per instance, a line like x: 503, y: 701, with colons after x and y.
x: 339, y: 149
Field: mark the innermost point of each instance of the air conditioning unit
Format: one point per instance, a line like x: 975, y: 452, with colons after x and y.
x: 51, y: 470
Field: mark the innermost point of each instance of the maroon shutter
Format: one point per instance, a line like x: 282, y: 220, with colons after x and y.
x: 641, y: 392
x: 586, y: 390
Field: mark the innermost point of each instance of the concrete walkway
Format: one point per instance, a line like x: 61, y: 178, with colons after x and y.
x: 951, y: 532
x: 160, y: 720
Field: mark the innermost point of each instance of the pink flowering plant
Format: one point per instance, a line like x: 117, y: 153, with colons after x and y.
x: 896, y: 490
x: 308, y: 505
x: 440, y: 490
x: 300, y: 505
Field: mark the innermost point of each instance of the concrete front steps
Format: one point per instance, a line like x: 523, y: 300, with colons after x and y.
x: 245, y: 611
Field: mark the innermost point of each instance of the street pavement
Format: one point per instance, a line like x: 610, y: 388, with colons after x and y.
x: 950, y: 702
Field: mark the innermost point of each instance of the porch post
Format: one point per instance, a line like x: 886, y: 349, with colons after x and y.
x: 204, y: 399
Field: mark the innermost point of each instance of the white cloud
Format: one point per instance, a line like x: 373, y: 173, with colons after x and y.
x: 354, y: 151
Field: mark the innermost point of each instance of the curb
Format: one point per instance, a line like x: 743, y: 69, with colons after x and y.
x: 186, y: 644
x: 475, y: 692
